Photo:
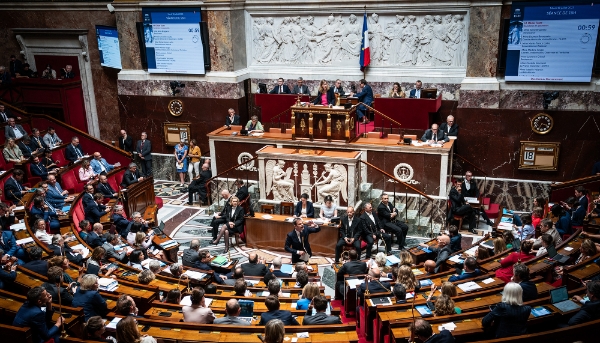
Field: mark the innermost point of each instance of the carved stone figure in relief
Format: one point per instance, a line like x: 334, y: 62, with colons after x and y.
x: 270, y: 42
x: 456, y: 40
x: 375, y: 35
x: 438, y: 44
x: 394, y: 35
x: 351, y: 39
x: 410, y: 43
x: 425, y: 41
x: 328, y: 44
x: 257, y: 37
x: 333, y: 183
x: 311, y: 34
x: 279, y: 182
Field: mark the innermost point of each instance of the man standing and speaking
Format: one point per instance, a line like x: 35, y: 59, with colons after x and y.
x: 296, y: 241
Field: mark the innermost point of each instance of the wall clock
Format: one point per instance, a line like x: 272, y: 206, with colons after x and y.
x: 175, y: 107
x: 542, y: 123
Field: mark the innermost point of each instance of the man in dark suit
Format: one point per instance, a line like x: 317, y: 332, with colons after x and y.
x: 242, y: 192
x: 233, y: 312
x: 122, y: 225
x: 143, y: 148
x: 36, y: 264
x: 449, y: 128
x: 87, y: 199
x: 8, y: 244
x: 190, y: 255
x: 366, y: 97
x: 111, y: 252
x: 232, y: 118
x: 132, y: 175
x: 272, y: 303
x: 38, y: 169
x: 7, y: 217
x: 280, y: 88
x: 73, y: 151
x: 423, y: 332
x: 94, y: 212
x: 434, y: 135
x: 37, y: 142
x: 470, y: 271
x: 399, y: 293
x: 125, y: 141
x: 372, y: 230
x: 416, y: 92
x: 337, y: 88
x: 105, y: 188
x: 375, y: 286
x: 442, y: 251
x: 219, y: 217
x: 13, y: 188
x: 590, y: 309
x: 469, y: 189
x: 254, y: 267
x: 8, y: 270
x: 297, y: 242
x: 32, y: 316
x: 94, y: 239
x: 388, y: 216
x: 521, y: 276
x: 55, y: 277
x: 14, y: 66
x: 300, y: 87
x: 459, y: 206
x: 59, y: 247
x: 199, y: 186
x: 320, y: 318
x: 352, y: 267
x: 349, y: 233
x: 276, y: 271
x: 5, y: 114
x: 203, y: 262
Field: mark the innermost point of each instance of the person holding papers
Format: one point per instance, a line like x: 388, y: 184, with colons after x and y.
x: 87, y: 296
x: 254, y: 125
x: 591, y: 307
x: 297, y: 242
x: 111, y: 242
x: 73, y: 151
x: 433, y: 135
x: 510, y: 316
x: 352, y: 267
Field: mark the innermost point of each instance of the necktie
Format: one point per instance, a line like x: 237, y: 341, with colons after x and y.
x: 53, y: 140
x: 435, y: 137
x: 77, y: 152
x: 142, y: 146
x: 134, y: 177
x: 18, y: 185
x: 50, y: 206
x: 4, y: 116
x: 280, y: 89
x: 39, y: 143
x: 103, y: 166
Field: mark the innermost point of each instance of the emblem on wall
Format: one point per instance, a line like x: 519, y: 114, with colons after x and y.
x: 244, y: 157
x: 404, y: 172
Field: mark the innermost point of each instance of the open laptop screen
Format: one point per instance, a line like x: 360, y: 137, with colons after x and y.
x: 559, y: 294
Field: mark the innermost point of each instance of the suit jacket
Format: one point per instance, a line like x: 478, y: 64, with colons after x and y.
x: 509, y: 320
x: 300, y: 90
x: 8, y: 114
x: 473, y: 191
x: 205, y: 175
x: 112, y: 253
x: 441, y: 136
x: 465, y: 276
x: 293, y: 245
x: 126, y: 143
x: 32, y: 316
x: 367, y: 225
x: 228, y: 320
x: 189, y: 257
x: 340, y: 90
x: 95, y: 164
x: 254, y: 269
x: 9, y: 132
x: 442, y: 256
x: 9, y: 243
x: 94, y: 240
x: 25, y: 149
x: 456, y: 199
x: 236, y: 121
x: 71, y: 152
x: 146, y: 150
x: 37, y: 266
x: 69, y: 253
x: 365, y: 95
x: 87, y: 200
x: 444, y: 336
x: 38, y: 170
x: 588, y: 312
x: 122, y: 225
x: 413, y: 93
x: 12, y: 190
x: 284, y: 316
x: 385, y: 213
x: 65, y: 297
x: 38, y: 142
x: 320, y: 318
x: 286, y: 90
x: 48, y: 139
x: 352, y: 268
x: 128, y: 178
x: 330, y: 98
x: 456, y: 243
x: 106, y: 190
x: 92, y: 302
x: 374, y: 287
x: 310, y: 210
x: 529, y: 290
x: 453, y: 129
x: 237, y: 218
x: 350, y: 231
x: 93, y: 213
x: 6, y: 222
x: 242, y: 193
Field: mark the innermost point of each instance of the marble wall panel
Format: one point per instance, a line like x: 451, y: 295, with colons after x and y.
x: 484, y: 31
x: 479, y: 99
x: 128, y: 39
x: 567, y: 100
x: 192, y: 89
x: 220, y: 36
x: 238, y: 39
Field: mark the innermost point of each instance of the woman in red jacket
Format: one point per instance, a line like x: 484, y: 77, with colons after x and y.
x: 505, y: 272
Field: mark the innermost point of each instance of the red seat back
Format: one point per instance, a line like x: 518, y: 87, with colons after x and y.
x: 70, y: 182
x: 118, y: 179
x: 59, y: 156
x: 3, y: 164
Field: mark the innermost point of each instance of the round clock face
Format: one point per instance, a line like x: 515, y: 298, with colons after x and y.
x: 176, y: 107
x: 542, y: 123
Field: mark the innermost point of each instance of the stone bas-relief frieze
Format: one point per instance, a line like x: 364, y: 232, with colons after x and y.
x: 401, y: 40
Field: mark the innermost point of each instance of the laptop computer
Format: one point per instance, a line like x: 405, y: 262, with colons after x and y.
x: 516, y: 244
x: 559, y: 297
x: 247, y: 310
x: 556, y: 256
x: 158, y: 230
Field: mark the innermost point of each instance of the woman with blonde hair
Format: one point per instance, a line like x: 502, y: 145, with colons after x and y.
x: 449, y: 289
x: 309, y: 291
x: 94, y: 263
x: 407, y: 279
x: 127, y: 332
x: 587, y: 250
x: 12, y: 153
x: 274, y: 331
x: 194, y: 163
x: 87, y: 296
x: 325, y: 95
x: 499, y: 245
x: 444, y: 306
x: 86, y: 173
x: 406, y: 259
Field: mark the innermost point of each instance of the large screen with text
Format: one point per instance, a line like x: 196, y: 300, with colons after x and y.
x: 173, y: 41
x: 108, y: 45
x: 552, y: 41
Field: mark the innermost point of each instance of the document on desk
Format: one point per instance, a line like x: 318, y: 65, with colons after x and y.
x: 488, y: 280
x: 456, y: 259
x: 267, y: 216
x: 447, y: 326
x: 18, y: 227
x: 352, y: 283
x: 568, y: 248
x: 24, y: 240
x: 471, y: 200
x: 469, y: 286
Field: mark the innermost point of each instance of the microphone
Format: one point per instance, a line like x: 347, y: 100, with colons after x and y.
x: 13, y: 194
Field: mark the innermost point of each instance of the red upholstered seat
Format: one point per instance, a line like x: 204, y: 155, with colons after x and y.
x: 118, y: 179
x: 69, y: 182
x: 3, y: 164
x: 159, y: 202
x: 59, y: 157
x: 492, y: 210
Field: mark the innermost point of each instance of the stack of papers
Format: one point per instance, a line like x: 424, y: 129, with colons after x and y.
x: 253, y: 282
x: 113, y: 323
x: 24, y: 240
x: 472, y: 200
x: 194, y: 275
x: 267, y: 216
x: 19, y: 208
x: 380, y: 301
x: 286, y: 268
x: 469, y: 286
x: 417, y: 272
x: 168, y: 244
x: 146, y: 263
x: 456, y: 259
x: 391, y: 260
x: 505, y: 226
x: 447, y: 326
x: 18, y: 227
x: 540, y: 311
x: 471, y: 251
x: 85, y: 250
x: 187, y: 301
x: 219, y: 260
x: 107, y: 284
x: 488, y: 280
x: 352, y: 283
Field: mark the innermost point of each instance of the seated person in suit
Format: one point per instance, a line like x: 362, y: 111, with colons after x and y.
x: 300, y: 87
x: 13, y: 187
x: 422, y: 332
x: 469, y: 189
x: 509, y: 318
x: 198, y: 312
x: 9, y: 246
x: 349, y: 233
x: 352, y: 267
x: 198, y: 185
x: 591, y: 307
x: 365, y: 96
x: 132, y: 175
x: 521, y: 276
x: 105, y: 188
x: 460, y: 207
x: 12, y: 152
x: 442, y: 250
x: 122, y: 225
x: 470, y: 271
x: 254, y: 125
x: 240, y: 288
x: 13, y: 130
x: 36, y: 264
x: 277, y: 269
x: 375, y: 286
x: 416, y: 92
x: 337, y: 88
x: 434, y: 135
x: 233, y: 309
x: 449, y: 128
x: 304, y: 208
x: 40, y: 210
x: 87, y: 198
x: 190, y: 255
x: 399, y: 293
x: 8, y: 270
x: 126, y: 306
x: 55, y: 277
x: 388, y: 216
x: 455, y: 238
x: 25, y: 146
x: 37, y: 141
x: 272, y: 303
x: 51, y: 138
x: 94, y: 212
x: 372, y: 230
x: 88, y: 297
x: 95, y: 239
x: 203, y: 262
x: 73, y: 151
x: 111, y: 252
x: 37, y: 168
x: 32, y: 316
x: 234, y: 224
x: 320, y: 304
x: 100, y: 166
x: 242, y: 190
x: 238, y: 273
x: 60, y: 247
x: 232, y: 118
x: 325, y: 95
x: 7, y: 215
x: 280, y: 88
x: 55, y: 195
x: 254, y: 267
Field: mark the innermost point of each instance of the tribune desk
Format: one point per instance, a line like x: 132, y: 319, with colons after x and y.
x: 271, y: 233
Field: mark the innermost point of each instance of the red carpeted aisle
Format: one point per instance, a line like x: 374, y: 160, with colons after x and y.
x: 361, y: 128
x: 340, y: 304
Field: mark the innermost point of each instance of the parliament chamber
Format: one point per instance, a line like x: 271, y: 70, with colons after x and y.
x: 251, y: 171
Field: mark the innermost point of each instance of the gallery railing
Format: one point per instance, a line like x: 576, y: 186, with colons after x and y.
x: 226, y: 180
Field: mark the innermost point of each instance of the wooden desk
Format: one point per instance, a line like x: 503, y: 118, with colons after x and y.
x: 324, y: 123
x: 271, y: 234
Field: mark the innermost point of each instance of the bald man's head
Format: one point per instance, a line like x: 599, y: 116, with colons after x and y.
x: 374, y: 273
x: 253, y: 257
x: 443, y: 240
x: 233, y: 308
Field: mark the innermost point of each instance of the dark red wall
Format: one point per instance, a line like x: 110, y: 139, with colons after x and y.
x: 57, y: 63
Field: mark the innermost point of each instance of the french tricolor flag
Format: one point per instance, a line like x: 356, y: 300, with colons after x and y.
x: 365, y: 53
